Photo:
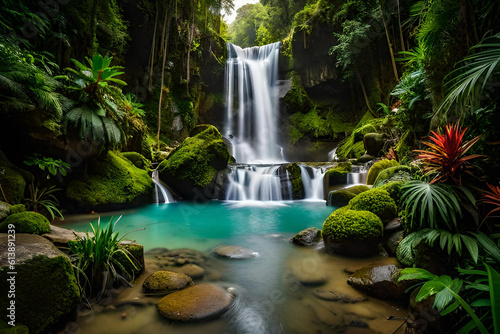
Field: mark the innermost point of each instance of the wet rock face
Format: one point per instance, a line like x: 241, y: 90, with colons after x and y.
x: 164, y: 282
x: 197, y: 303
x: 235, y: 252
x: 308, y: 237
x: 380, y: 281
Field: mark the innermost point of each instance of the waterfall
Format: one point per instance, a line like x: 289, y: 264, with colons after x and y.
x: 161, y: 193
x: 332, y: 155
x: 357, y: 175
x: 251, y: 121
x: 312, y: 180
x: 254, y: 183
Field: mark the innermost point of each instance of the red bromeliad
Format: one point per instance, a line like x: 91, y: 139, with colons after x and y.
x: 447, y: 154
x: 491, y: 197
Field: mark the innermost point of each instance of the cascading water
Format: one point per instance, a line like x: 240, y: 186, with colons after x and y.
x: 312, y: 180
x: 161, y: 193
x: 251, y: 124
x: 252, y: 103
x: 357, y: 175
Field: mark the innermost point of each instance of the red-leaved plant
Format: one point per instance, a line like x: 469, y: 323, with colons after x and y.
x: 447, y: 155
x: 491, y: 197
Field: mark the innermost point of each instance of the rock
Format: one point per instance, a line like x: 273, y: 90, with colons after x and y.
x: 4, y: 210
x: 135, y: 253
x: 60, y: 236
x: 377, y: 167
x: 164, y: 282
x: 308, y: 237
x: 339, y: 198
x: 196, y: 303
x: 376, y: 201
x: 337, y: 174
x: 423, y: 318
x: 193, y: 167
x: 13, y: 181
x: 235, y: 252
x: 137, y: 159
x: 312, y: 278
x: 192, y: 270
x: 26, y: 222
x: 337, y: 296
x: 393, y: 241
x: 374, y: 143
x: 46, y: 291
x: 352, y: 233
x: 396, y: 173
x: 380, y: 281
x: 114, y: 183
x: 364, y: 159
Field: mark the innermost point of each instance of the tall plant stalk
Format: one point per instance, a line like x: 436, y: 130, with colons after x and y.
x: 153, y: 45
x: 363, y: 89
x: 401, y: 30
x: 394, y: 68
x: 165, y: 34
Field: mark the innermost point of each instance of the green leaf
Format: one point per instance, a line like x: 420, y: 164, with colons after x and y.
x: 494, y: 284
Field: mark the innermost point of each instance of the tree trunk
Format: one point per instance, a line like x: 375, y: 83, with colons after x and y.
x: 165, y: 34
x: 190, y: 43
x: 153, y: 45
x: 401, y: 30
x: 364, y: 91
x: 394, y: 68
x: 92, y: 27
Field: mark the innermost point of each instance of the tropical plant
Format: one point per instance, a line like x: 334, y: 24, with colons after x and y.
x: 447, y: 155
x: 53, y: 166
x: 465, y: 85
x: 43, y: 199
x: 411, y: 88
x: 491, y: 198
x: 132, y: 105
x: 95, y: 257
x: 96, y: 113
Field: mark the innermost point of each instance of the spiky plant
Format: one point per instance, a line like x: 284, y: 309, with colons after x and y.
x: 447, y: 155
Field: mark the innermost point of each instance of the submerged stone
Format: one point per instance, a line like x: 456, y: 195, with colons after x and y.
x: 196, y: 303
x: 164, y: 282
x: 308, y: 237
x: 192, y: 270
x: 235, y: 252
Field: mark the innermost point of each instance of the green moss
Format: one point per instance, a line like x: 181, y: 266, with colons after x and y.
x: 344, y: 224
x: 339, y: 198
x: 377, y: 168
x: 396, y: 173
x: 136, y: 254
x: 393, y: 188
x: 296, y: 179
x: 26, y: 222
x: 338, y: 174
x: 137, y: 159
x: 17, y: 208
x: 46, y: 290
x: 13, y: 181
x: 113, y: 180
x: 376, y: 201
x: 198, y: 158
x: 360, y: 188
x: 5, y: 328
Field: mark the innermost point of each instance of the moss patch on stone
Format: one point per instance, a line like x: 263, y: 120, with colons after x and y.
x: 13, y: 181
x: 345, y: 223
x: 17, y: 208
x: 198, y: 158
x: 26, y: 222
x: 393, y: 188
x: 396, y: 173
x: 296, y: 179
x: 377, y: 168
x: 137, y: 159
x: 112, y: 180
x: 376, y: 201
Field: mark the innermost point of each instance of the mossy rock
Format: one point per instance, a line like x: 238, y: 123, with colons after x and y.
x: 373, y: 143
x: 26, y: 222
x: 5, y: 328
x: 338, y: 174
x: 136, y: 255
x: 296, y: 179
x: 338, y: 198
x: 46, y: 288
x: 396, y: 173
x: 393, y: 188
x: 376, y: 201
x: 17, y: 208
x: 193, y: 165
x: 5, y: 210
x: 308, y: 237
x: 13, y: 181
x: 352, y: 233
x: 164, y: 282
x: 137, y: 159
x: 114, y: 183
x: 377, y: 168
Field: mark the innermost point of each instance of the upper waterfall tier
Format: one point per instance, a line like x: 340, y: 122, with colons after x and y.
x: 251, y: 122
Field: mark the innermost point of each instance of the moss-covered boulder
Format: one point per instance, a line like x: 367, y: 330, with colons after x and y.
x: 13, y: 181
x: 352, y: 233
x: 137, y: 159
x: 26, y: 222
x: 4, y: 210
x: 393, y: 188
x: 308, y: 237
x: 376, y: 201
x: 374, y: 143
x: 113, y: 183
x: 192, y: 168
x: 46, y: 291
x: 377, y: 168
x: 337, y: 175
x: 339, y: 198
x: 17, y: 208
x: 164, y: 282
x: 135, y: 252
x: 396, y: 173
x: 296, y: 179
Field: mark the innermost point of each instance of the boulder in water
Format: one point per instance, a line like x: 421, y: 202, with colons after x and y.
x: 196, y: 303
x: 376, y: 201
x: 235, y: 252
x: 164, y: 282
x: 308, y: 237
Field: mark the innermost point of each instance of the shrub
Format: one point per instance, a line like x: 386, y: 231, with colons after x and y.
x: 344, y: 223
x: 376, y: 201
x: 377, y: 168
x: 26, y: 222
